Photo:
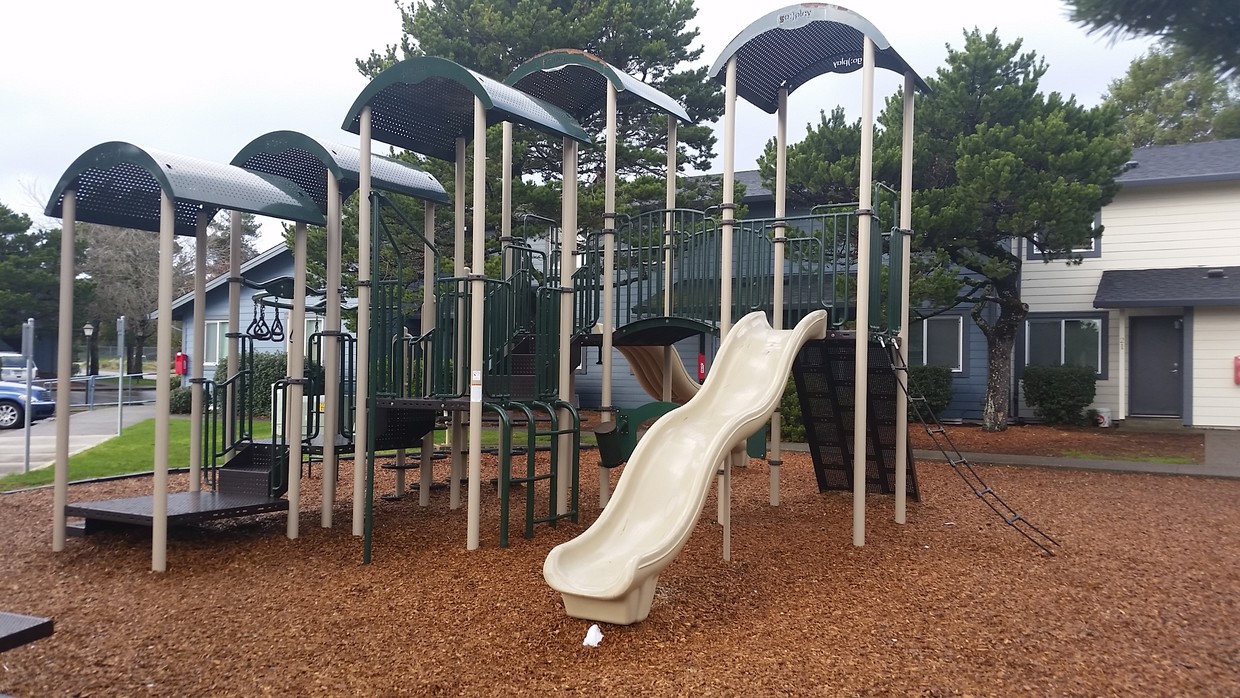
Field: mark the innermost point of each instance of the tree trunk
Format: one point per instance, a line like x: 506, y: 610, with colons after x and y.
x: 1000, y: 339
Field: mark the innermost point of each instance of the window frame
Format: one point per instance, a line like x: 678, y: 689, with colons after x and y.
x: 1104, y: 344
x: 1094, y: 251
x: 961, y: 346
x: 221, y: 342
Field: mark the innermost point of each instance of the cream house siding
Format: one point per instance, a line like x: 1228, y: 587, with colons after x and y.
x: 1156, y: 227
x: 1216, y: 343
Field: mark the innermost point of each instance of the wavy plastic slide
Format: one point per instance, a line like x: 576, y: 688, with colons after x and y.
x: 647, y: 365
x: 609, y: 572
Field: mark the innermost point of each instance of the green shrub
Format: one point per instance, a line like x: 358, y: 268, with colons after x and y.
x: 933, y: 383
x: 270, y: 367
x: 791, y: 425
x: 1059, y: 394
x: 182, y: 400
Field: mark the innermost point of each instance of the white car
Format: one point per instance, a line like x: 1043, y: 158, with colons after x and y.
x: 13, y: 367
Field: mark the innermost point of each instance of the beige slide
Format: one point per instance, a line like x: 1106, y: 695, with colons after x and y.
x: 609, y: 572
x: 647, y: 366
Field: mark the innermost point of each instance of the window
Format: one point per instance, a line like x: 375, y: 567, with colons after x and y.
x: 314, y: 323
x: 1065, y: 342
x: 217, y: 342
x: 1090, y: 251
x: 937, y: 341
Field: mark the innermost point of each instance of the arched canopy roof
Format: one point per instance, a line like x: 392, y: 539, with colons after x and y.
x: 425, y: 103
x: 307, y: 161
x: 119, y: 184
x: 576, y: 82
x: 790, y: 47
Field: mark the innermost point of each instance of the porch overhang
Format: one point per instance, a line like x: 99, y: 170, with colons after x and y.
x: 1168, y: 288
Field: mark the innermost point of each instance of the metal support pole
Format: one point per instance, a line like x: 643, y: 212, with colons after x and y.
x: 668, y: 242
x: 28, y: 374
x: 426, y: 472
x: 456, y: 434
x: 163, y: 389
x: 361, y: 426
x: 199, y: 347
x: 862, y: 343
x: 568, y: 249
x: 64, y: 367
x: 234, y: 317
x: 477, y: 291
x: 609, y: 287
x: 725, y: 245
x: 331, y: 353
x: 296, y: 390
x: 781, y: 235
x: 905, y: 228
x: 120, y: 377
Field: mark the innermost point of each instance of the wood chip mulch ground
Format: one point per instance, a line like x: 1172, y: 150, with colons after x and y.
x: 1142, y: 599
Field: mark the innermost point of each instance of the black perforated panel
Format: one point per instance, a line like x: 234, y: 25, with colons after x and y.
x: 824, y: 372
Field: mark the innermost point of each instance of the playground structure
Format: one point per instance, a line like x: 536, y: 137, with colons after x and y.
x: 506, y: 347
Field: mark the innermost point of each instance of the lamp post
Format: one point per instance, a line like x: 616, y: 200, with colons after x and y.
x: 89, y: 330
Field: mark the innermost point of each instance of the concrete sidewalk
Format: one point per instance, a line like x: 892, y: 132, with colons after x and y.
x: 87, y: 429
x: 1222, y: 459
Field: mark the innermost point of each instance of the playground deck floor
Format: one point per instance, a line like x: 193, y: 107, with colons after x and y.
x: 1142, y: 599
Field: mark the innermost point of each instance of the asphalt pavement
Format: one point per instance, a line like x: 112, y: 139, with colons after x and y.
x: 87, y: 428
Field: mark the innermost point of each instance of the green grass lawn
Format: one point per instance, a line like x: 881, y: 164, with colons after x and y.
x: 132, y: 452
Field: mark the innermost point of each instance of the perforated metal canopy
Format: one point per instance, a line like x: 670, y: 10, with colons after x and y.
x: 306, y: 161
x: 576, y: 82
x: 119, y: 184
x: 425, y: 103
x: 790, y: 47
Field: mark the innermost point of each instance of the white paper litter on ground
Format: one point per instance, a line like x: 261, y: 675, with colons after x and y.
x: 593, y: 636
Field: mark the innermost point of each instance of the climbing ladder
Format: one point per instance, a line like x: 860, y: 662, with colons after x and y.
x: 962, y: 467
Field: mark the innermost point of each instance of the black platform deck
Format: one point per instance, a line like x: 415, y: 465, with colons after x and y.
x: 183, y: 508
x: 17, y: 630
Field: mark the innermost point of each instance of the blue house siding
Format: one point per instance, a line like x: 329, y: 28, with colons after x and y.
x: 273, y: 263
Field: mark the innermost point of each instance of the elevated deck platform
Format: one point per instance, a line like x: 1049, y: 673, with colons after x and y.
x: 183, y: 508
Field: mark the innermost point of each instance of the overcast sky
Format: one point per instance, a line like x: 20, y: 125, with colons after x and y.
x: 204, y: 79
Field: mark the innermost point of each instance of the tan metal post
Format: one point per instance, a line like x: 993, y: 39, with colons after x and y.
x: 234, y: 313
x: 905, y: 229
x: 331, y: 352
x: 477, y: 291
x: 163, y: 388
x: 296, y: 390
x: 723, y: 480
x: 609, y: 288
x: 668, y: 260
x: 862, y: 343
x: 64, y: 367
x: 456, y: 436
x: 425, y: 474
x: 197, y: 350
x: 361, y: 429
x: 729, y: 198
x: 781, y: 235
x: 568, y: 249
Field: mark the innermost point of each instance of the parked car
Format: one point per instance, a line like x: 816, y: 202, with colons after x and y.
x: 13, y: 367
x: 13, y: 404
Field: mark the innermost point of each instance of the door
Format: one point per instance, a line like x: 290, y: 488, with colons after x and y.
x: 1155, y: 357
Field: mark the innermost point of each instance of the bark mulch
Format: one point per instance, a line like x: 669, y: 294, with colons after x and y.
x: 1142, y: 599
x: 1073, y: 442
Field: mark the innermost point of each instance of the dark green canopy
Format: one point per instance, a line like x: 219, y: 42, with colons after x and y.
x: 425, y: 103
x: 306, y: 161
x: 576, y: 82
x: 119, y: 184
